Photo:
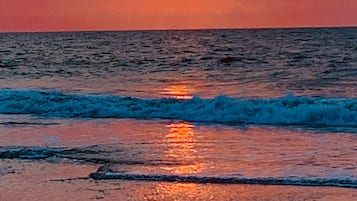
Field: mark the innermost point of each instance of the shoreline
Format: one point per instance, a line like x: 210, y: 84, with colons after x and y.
x: 39, y: 180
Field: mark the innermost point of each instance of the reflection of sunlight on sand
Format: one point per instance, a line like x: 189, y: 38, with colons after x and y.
x: 177, y: 91
x: 181, y: 190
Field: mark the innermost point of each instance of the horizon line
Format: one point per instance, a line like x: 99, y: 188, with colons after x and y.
x: 184, y: 29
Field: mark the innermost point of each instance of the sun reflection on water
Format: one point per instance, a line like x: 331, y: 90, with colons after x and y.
x: 181, y: 147
x: 181, y: 144
x: 180, y: 92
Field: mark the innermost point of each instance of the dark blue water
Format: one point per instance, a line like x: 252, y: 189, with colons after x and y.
x: 239, y: 63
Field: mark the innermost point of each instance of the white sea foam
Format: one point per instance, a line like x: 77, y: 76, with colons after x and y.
x: 288, y: 110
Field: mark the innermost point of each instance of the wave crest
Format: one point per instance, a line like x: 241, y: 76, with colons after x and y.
x: 288, y: 110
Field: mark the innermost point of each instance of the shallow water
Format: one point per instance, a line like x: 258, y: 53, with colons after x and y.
x: 144, y: 147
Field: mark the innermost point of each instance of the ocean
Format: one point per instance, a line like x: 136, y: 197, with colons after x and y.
x: 193, y: 107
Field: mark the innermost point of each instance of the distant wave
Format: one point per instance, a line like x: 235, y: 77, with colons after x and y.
x: 288, y: 110
x: 295, y: 181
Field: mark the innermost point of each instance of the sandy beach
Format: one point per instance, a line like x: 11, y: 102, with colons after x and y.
x: 43, y: 181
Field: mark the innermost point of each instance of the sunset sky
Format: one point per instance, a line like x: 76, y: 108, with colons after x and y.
x: 69, y: 15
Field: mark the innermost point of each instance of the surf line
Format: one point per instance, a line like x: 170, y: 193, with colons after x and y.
x: 293, y: 181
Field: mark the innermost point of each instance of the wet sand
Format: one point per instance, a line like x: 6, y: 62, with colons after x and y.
x: 42, y: 180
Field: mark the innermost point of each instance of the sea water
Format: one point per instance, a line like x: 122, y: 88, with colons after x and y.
x: 265, y: 106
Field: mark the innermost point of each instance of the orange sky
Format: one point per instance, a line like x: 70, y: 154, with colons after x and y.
x: 55, y: 15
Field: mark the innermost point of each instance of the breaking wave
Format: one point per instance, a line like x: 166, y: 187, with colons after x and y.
x: 288, y: 110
